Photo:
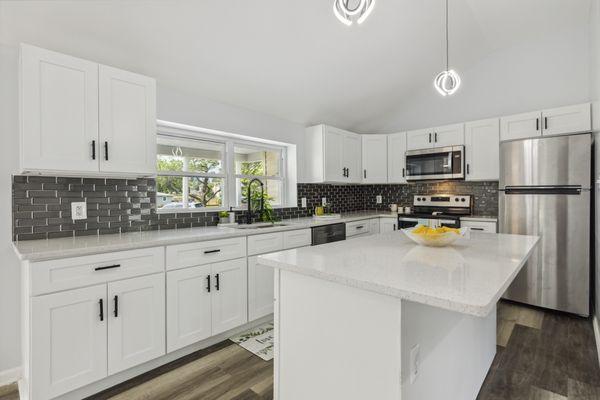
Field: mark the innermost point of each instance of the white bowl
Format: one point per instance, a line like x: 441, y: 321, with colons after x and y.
x: 440, y: 240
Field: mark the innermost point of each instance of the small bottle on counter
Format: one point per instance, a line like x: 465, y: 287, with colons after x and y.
x: 231, y: 216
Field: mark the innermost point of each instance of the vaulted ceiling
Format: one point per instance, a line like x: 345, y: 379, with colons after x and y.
x: 291, y: 59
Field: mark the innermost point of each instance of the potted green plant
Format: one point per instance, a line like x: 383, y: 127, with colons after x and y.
x: 224, y: 217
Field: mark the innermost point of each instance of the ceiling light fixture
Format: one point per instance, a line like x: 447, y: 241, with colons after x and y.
x: 347, y: 15
x: 448, y: 81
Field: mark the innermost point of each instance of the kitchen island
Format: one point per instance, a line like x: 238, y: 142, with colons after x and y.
x: 382, y: 318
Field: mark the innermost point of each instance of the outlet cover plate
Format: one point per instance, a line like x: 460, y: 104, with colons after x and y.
x: 379, y: 199
x: 78, y: 210
x: 303, y: 201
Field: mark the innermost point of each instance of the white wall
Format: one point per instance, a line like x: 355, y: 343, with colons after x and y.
x: 542, y: 73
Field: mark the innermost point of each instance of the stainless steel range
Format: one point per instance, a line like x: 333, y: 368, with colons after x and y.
x: 438, y: 209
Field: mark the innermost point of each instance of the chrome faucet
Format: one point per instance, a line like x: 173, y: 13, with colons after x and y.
x: 249, y: 199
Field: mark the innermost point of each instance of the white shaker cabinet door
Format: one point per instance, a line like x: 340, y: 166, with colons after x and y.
x: 229, y: 295
x: 397, y: 158
x: 352, y: 157
x: 374, y: 159
x: 260, y: 289
x: 565, y: 120
x: 59, y: 112
x: 482, y: 150
x: 333, y: 153
x: 449, y: 135
x: 387, y: 225
x: 127, y: 121
x: 419, y: 139
x: 136, y: 321
x: 521, y: 126
x: 68, y: 342
x: 189, y: 306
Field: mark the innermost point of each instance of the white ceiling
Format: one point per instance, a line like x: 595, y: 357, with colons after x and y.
x: 291, y: 59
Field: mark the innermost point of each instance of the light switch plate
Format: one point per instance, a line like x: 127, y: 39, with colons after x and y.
x: 78, y: 210
x: 303, y: 201
x: 379, y: 199
x: 324, y: 201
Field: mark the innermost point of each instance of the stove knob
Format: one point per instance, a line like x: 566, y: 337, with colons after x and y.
x: 463, y: 200
x: 418, y: 199
x: 456, y: 199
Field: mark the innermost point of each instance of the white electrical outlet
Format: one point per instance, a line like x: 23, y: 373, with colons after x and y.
x: 303, y: 201
x: 414, y: 363
x: 78, y: 210
x: 379, y: 199
x: 324, y: 201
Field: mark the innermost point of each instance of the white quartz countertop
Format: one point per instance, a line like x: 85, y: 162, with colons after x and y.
x: 49, y: 249
x: 468, y: 277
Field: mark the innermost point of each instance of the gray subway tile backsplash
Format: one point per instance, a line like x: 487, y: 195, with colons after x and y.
x: 42, y: 205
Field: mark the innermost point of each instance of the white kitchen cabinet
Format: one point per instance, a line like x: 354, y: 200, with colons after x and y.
x: 482, y: 150
x: 565, y: 120
x: 521, y: 126
x: 265, y: 243
x: 81, y: 117
x: 297, y: 238
x: 260, y: 289
x: 229, y: 298
x: 59, y: 111
x: 189, y: 306
x: 332, y: 155
x: 374, y: 226
x: 136, y: 321
x: 388, y: 225
x: 357, y: 228
x: 127, y: 127
x: 449, y: 135
x: 479, y: 226
x: 374, y: 159
x: 419, y: 139
x: 68, y: 341
x: 397, y: 157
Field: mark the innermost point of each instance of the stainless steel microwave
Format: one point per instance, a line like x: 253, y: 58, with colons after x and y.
x: 438, y: 163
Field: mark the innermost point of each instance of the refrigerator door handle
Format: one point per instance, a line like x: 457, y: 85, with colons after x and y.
x: 567, y: 189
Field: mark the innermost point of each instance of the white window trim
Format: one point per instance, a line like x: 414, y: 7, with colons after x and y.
x: 174, y: 130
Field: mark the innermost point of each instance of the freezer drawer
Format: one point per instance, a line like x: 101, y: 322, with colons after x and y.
x: 557, y: 274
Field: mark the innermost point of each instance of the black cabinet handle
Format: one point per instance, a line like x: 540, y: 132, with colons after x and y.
x: 468, y: 169
x: 208, y: 283
x: 212, y: 251
x: 106, y: 150
x: 403, y: 175
x: 430, y: 138
x: 435, y: 137
x: 394, y: 226
x: 107, y: 267
x: 116, y: 306
x: 101, y: 303
x: 365, y: 173
x: 477, y: 229
x: 93, y: 149
x: 217, y: 284
x: 360, y: 227
x: 537, y: 124
x: 545, y: 122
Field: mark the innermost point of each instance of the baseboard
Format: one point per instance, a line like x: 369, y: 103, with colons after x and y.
x: 596, y: 324
x: 10, y: 376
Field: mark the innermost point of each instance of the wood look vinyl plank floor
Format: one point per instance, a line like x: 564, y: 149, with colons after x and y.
x: 541, y: 355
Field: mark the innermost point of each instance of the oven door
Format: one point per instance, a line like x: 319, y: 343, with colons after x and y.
x: 438, y: 163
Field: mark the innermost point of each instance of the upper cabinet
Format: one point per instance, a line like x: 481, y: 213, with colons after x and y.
x: 397, y: 157
x: 482, y: 147
x: 556, y: 121
x: 332, y: 155
x: 441, y: 136
x: 81, y: 117
x: 374, y: 158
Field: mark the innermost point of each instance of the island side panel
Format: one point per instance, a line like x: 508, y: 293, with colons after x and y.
x: 334, y: 341
x: 455, y: 352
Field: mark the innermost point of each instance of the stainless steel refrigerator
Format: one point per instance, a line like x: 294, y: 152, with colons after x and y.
x: 545, y: 191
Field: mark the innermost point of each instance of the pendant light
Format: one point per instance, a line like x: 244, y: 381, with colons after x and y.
x: 447, y: 82
x: 347, y: 15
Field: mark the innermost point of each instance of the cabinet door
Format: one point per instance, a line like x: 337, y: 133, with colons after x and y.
x: 374, y: 158
x: 68, y: 344
x: 352, y: 157
x: 188, y: 306
x: 260, y: 289
x: 229, y: 300
x: 387, y: 225
x: 333, y: 154
x: 397, y: 158
x: 59, y: 111
x: 521, y: 126
x: 127, y: 122
x: 564, y: 120
x: 374, y: 226
x: 449, y: 135
x: 136, y: 321
x: 419, y: 139
x: 482, y: 150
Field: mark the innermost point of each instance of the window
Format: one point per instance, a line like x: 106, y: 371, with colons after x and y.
x: 190, y: 174
x: 212, y: 173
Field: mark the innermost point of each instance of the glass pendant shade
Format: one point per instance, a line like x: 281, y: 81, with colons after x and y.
x: 348, y: 15
x: 447, y: 82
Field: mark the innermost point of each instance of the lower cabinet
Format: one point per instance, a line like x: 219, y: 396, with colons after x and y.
x: 388, y: 225
x: 205, y: 300
x: 80, y: 336
x: 260, y: 289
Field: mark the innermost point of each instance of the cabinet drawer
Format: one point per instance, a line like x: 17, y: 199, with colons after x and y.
x: 266, y: 243
x: 69, y: 273
x: 479, y: 226
x: 191, y: 254
x: 357, y: 228
x: 299, y: 238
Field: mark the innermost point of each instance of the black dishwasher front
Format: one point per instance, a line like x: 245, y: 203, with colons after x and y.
x: 328, y: 233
